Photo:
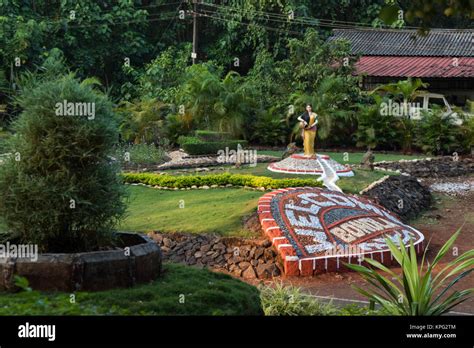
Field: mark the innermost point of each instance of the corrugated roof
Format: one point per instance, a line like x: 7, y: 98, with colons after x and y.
x: 404, y: 42
x: 415, y: 66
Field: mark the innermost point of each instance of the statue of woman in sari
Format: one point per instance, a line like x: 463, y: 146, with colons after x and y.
x: 308, y: 121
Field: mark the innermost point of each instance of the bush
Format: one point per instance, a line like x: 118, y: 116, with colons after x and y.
x: 3, y: 141
x: 196, y: 146
x: 289, y: 300
x: 59, y: 189
x: 216, y: 179
x: 207, y: 135
x: 140, y: 154
x: 438, y: 135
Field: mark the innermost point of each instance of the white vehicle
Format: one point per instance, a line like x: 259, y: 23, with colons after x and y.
x: 427, y: 102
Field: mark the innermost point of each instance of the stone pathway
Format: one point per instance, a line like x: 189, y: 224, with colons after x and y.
x: 454, y: 188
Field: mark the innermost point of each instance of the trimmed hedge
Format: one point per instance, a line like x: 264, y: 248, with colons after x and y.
x: 196, y: 146
x: 216, y: 179
x: 207, y: 135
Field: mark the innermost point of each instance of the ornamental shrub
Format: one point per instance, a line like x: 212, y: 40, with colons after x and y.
x: 196, y: 146
x: 59, y: 187
x: 216, y: 179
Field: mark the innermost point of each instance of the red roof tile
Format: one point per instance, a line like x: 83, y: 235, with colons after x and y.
x: 415, y: 66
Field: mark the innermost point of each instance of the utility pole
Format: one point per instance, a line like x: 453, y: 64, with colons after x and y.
x: 195, y: 29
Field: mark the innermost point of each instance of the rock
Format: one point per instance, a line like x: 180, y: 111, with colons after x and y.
x: 197, y: 254
x: 291, y: 148
x: 403, y: 195
x: 269, y: 254
x: 249, y: 273
x: 252, y: 252
x: 205, y: 248
x: 168, y: 243
x: 244, y: 265
x: 259, y: 252
x: 205, y: 187
x: 367, y: 161
x: 156, y: 237
x: 191, y: 260
x: 219, y: 246
x: 267, y: 270
x: 214, y: 186
x: 194, y: 187
x: 215, y: 254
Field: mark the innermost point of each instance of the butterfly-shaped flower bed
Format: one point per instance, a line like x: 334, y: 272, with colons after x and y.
x: 316, y: 230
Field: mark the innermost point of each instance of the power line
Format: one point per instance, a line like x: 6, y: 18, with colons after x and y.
x: 171, y: 21
x: 319, y: 25
x: 252, y: 25
x: 285, y: 17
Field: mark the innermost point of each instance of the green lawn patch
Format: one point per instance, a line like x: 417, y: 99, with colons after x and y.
x: 354, y: 184
x: 217, y: 211
x: 205, y: 293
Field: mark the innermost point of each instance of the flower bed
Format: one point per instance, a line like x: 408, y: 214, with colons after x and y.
x: 216, y: 179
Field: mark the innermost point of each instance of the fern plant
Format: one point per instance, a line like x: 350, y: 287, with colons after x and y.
x: 417, y: 291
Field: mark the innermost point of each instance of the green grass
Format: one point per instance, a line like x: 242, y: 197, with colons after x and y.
x: 205, y: 211
x: 352, y: 157
x: 205, y: 293
x: 355, y: 184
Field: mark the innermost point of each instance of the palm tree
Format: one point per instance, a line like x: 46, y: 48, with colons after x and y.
x: 143, y: 120
x: 217, y: 104
x: 327, y: 101
x: 408, y: 91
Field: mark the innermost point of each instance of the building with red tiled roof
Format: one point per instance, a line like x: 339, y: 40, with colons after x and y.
x: 444, y: 58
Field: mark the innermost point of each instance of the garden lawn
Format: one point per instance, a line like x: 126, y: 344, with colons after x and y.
x: 205, y: 211
x: 354, y: 184
x: 205, y: 293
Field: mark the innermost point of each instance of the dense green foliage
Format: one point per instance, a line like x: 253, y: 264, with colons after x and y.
x: 438, y: 135
x: 181, y: 290
x: 216, y: 179
x: 196, y: 146
x: 259, y: 62
x: 59, y: 188
x: 139, y: 154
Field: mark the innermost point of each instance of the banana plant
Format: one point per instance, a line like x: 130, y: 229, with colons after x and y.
x: 418, y: 290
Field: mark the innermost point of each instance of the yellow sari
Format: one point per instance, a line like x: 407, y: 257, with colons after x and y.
x: 310, y: 137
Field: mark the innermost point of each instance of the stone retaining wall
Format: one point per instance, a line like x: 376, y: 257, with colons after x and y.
x: 446, y: 166
x: 247, y: 258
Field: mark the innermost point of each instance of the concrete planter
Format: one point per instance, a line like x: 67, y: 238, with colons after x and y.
x: 139, y: 262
